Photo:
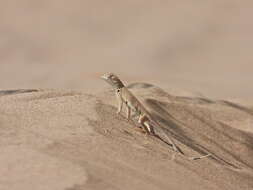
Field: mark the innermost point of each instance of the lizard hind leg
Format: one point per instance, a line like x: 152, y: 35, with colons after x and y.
x: 171, y: 142
x: 145, y: 123
x: 149, y: 127
x: 142, y: 120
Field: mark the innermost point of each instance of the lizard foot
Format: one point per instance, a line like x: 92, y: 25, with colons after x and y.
x: 139, y: 129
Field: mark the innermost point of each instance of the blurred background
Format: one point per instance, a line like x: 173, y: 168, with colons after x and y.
x: 198, y: 46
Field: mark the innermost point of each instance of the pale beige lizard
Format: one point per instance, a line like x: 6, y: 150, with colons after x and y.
x: 145, y: 119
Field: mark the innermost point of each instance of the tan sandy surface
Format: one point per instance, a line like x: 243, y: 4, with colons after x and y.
x: 60, y: 139
x: 62, y: 132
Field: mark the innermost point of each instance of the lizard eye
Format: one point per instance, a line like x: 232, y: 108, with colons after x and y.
x: 118, y: 90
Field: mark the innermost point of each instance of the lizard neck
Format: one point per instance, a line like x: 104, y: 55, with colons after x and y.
x: 117, y: 84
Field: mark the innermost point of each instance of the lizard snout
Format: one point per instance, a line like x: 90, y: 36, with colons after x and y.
x: 103, y: 77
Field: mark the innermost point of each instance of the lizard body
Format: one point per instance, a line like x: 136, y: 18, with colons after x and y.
x: 133, y: 105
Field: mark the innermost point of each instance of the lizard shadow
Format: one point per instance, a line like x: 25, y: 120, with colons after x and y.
x: 176, y: 129
x: 199, y: 100
x: 191, y: 100
x: 232, y: 136
x: 237, y: 106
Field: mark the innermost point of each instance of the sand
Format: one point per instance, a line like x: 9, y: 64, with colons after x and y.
x: 71, y: 140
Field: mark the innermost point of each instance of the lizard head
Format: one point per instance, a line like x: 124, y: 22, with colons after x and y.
x: 113, y: 80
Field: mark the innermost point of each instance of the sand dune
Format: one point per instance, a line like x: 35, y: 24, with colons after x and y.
x: 60, y: 139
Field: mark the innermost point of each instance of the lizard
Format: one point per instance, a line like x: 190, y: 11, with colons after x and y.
x: 145, y: 119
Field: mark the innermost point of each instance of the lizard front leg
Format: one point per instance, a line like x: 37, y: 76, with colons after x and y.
x: 120, y: 102
x: 128, y: 112
x: 142, y: 119
x: 149, y: 127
